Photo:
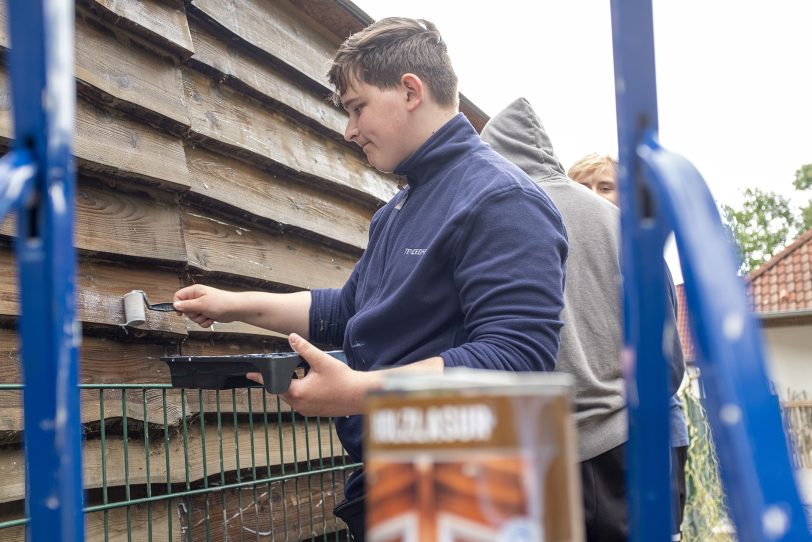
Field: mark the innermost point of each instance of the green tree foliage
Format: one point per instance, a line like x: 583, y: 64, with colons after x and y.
x: 806, y: 216
x: 803, y: 178
x: 803, y: 181
x: 765, y: 223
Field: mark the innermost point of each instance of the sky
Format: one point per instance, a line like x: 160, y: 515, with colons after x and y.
x: 733, y: 78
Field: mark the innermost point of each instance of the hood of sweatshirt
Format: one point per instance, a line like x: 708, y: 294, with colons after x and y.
x: 518, y: 134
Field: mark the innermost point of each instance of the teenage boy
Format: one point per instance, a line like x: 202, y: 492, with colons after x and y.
x: 599, y: 173
x: 464, y: 266
x: 591, y: 339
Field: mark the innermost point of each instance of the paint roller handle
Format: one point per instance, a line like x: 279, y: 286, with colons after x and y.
x: 163, y: 307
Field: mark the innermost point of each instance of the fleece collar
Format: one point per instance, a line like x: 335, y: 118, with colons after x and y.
x: 454, y: 140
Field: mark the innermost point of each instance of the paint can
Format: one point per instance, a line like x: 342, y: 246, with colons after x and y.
x: 472, y: 455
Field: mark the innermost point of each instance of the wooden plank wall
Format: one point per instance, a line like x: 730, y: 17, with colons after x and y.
x: 206, y: 152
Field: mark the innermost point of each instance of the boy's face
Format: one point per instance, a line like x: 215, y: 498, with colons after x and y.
x: 378, y: 123
x: 603, y: 184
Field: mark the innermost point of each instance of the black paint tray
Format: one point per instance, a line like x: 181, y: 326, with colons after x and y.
x: 226, y: 372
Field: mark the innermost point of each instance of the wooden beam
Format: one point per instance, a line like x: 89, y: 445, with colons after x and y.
x: 123, y: 223
x: 109, y: 143
x: 291, y: 205
x: 116, y: 71
x: 162, y: 22
x: 187, y: 456
x: 293, y: 510
x: 219, y: 246
x: 113, y: 144
x: 173, y: 401
x: 273, y: 28
x: 221, y: 116
x: 99, y: 295
x: 104, y: 361
x: 280, y: 510
x: 340, y: 18
x: 242, y: 68
x: 109, y: 67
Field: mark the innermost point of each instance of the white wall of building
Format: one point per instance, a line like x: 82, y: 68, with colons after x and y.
x: 789, y: 351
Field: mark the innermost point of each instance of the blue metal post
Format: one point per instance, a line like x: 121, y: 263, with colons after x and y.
x: 659, y: 190
x: 642, y: 264
x: 43, y: 92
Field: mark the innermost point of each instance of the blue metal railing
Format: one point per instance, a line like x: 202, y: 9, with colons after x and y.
x: 661, y: 191
x: 37, y: 182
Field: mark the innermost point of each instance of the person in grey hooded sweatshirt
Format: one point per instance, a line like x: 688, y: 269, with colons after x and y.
x: 591, y: 338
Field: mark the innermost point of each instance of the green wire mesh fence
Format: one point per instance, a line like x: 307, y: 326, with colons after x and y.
x: 165, y: 464
x: 706, y: 518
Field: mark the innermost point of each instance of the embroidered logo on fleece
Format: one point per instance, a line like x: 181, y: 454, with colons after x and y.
x: 415, y: 251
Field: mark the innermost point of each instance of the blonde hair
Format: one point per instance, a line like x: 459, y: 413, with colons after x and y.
x: 592, y: 164
x: 381, y: 53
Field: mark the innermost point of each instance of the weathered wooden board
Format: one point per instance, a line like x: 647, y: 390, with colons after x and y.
x: 112, y: 144
x: 9, y: 298
x: 221, y: 115
x: 194, y: 453
x: 123, y: 223
x: 110, y: 361
x: 250, y: 72
x: 294, y: 509
x: 162, y: 22
x: 222, y: 330
x: 127, y: 223
x: 297, y: 509
x: 113, y: 69
x: 5, y: 38
x: 274, y: 28
x: 288, y: 203
x: 174, y: 401
x: 219, y: 246
x: 100, y: 287
x: 337, y: 20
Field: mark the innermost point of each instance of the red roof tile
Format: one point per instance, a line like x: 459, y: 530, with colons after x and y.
x: 784, y: 283
x: 683, y: 325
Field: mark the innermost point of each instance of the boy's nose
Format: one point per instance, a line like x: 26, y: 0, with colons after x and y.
x: 350, y: 133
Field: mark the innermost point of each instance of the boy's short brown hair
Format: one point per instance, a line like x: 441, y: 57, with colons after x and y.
x: 381, y: 53
x: 592, y: 164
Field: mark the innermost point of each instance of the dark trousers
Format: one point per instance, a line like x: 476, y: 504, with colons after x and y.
x: 679, y: 457
x: 603, y: 479
x: 354, y: 515
x: 604, y: 485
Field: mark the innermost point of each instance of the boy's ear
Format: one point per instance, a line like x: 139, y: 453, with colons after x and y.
x: 415, y: 90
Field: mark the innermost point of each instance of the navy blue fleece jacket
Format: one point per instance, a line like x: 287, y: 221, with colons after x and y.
x: 467, y: 262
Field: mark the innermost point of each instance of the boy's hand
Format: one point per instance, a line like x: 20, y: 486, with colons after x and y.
x: 204, y: 304
x: 330, y: 388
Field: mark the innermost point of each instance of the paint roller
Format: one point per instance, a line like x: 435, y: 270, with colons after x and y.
x: 134, y: 303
